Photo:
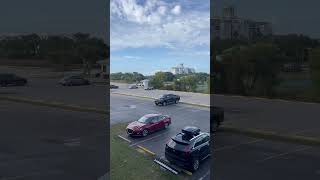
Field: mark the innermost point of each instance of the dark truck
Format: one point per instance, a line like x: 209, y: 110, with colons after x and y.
x: 167, y: 99
x: 217, y: 118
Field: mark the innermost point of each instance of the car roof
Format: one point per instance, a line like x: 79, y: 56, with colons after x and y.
x: 191, y: 129
x: 151, y: 115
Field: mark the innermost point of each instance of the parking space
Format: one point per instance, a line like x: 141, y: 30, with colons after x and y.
x: 128, y: 109
x: 241, y: 157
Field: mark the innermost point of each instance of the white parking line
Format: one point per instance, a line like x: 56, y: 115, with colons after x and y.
x: 237, y: 145
x: 124, y: 138
x: 134, y: 144
x: 205, y: 175
x: 284, y: 154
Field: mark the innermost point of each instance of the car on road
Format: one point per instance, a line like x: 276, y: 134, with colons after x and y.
x: 139, y: 84
x: 133, y: 86
x: 113, y: 86
x: 217, y: 118
x: 8, y: 79
x: 148, y: 88
x: 166, y: 99
x: 74, y: 80
x: 188, y: 148
x: 147, y: 124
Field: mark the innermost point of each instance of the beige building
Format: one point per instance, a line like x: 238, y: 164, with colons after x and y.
x: 230, y: 26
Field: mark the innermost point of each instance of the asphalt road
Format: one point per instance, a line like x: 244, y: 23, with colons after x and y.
x: 46, y: 143
x: 50, y: 90
x: 127, y: 109
x: 281, y: 116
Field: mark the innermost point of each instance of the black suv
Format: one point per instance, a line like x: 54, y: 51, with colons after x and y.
x: 188, y: 148
x: 7, y: 79
x: 167, y: 99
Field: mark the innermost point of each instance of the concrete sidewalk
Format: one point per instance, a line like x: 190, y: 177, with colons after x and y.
x: 186, y: 97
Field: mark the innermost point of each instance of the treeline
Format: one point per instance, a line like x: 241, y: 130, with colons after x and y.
x: 167, y: 80
x: 79, y: 48
x: 127, y: 77
x: 254, y: 68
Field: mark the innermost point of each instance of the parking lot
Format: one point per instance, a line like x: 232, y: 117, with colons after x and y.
x: 47, y: 143
x: 127, y: 109
x: 41, y: 142
x: 241, y: 157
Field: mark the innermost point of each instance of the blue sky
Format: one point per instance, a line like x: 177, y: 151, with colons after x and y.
x: 151, y: 35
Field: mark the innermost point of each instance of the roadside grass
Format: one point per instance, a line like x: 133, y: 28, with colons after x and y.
x: 128, y: 163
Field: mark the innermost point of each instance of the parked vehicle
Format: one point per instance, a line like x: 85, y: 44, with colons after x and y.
x: 8, y: 79
x: 139, y: 84
x: 166, y: 99
x: 113, y: 86
x: 148, y: 124
x: 133, y: 86
x: 217, y: 118
x: 188, y: 148
x: 74, y: 80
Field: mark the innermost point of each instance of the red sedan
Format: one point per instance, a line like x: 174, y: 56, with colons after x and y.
x: 147, y: 124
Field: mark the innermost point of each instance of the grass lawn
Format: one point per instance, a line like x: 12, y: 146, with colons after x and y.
x: 128, y: 163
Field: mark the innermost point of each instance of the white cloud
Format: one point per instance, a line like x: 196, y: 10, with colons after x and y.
x: 149, y: 25
x: 176, y: 10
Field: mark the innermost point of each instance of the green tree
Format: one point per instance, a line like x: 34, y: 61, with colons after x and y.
x: 315, y: 68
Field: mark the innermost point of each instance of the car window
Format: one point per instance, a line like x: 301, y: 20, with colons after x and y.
x: 206, y: 139
x: 199, y: 141
x: 155, y: 119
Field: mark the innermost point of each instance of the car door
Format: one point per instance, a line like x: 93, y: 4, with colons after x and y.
x: 206, y: 146
x: 151, y: 124
x: 201, y: 146
x: 157, y: 123
x: 169, y: 97
x: 161, y: 121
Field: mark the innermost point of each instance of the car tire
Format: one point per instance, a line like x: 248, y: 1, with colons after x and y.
x: 164, y: 103
x: 195, y: 165
x: 145, y: 132
x: 175, y: 102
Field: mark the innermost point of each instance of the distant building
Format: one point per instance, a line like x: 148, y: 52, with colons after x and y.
x: 180, y: 69
x: 230, y: 26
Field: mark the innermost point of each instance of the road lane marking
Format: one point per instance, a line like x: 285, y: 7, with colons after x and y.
x: 284, y: 154
x: 237, y: 145
x: 139, y: 142
x: 124, y: 138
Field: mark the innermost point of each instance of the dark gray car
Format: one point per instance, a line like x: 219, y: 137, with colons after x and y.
x: 74, y: 80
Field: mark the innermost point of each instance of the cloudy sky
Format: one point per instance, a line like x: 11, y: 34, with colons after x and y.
x: 151, y: 35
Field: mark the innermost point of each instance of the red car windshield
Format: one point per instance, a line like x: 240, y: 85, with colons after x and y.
x: 144, y: 119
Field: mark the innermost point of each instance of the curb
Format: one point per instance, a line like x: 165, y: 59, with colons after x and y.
x: 267, y: 99
x: 151, y: 98
x: 270, y: 135
x: 53, y: 104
